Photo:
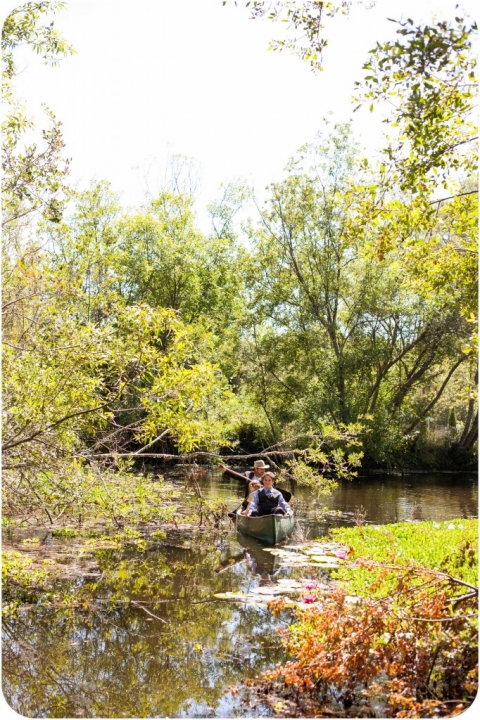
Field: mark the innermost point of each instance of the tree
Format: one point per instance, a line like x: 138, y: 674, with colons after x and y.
x: 68, y: 384
x: 33, y: 178
x: 84, y: 249
x: 426, y: 80
x: 167, y: 262
x: 338, y: 333
x: 156, y: 255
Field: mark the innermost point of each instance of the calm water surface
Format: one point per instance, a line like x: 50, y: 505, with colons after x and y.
x: 151, y: 640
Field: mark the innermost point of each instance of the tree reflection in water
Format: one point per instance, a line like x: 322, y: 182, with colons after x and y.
x: 147, y: 639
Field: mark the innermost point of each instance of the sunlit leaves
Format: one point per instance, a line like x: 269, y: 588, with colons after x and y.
x: 350, y: 322
x: 428, y: 78
x: 304, y: 20
x: 23, y: 26
x: 67, y: 379
x: 33, y: 177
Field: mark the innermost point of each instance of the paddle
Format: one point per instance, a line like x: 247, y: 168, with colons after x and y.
x: 286, y: 495
x: 234, y: 512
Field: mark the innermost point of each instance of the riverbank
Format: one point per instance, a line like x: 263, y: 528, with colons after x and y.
x: 397, y: 635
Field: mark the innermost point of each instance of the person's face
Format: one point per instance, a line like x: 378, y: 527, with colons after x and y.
x: 268, y: 482
x: 259, y: 471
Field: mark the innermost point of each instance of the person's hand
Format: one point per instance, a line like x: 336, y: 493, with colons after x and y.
x: 222, y: 467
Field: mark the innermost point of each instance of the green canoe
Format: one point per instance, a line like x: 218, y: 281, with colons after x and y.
x: 269, y: 528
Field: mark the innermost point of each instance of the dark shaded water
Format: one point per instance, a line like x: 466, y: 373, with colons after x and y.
x: 177, y: 651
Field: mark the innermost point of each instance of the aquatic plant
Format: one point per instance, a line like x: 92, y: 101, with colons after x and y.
x: 410, y: 642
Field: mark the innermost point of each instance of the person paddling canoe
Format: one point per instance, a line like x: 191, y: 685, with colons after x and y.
x: 255, y: 473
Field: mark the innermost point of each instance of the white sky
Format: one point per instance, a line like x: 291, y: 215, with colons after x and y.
x: 156, y: 77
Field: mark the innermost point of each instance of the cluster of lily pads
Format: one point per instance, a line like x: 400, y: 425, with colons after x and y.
x: 325, y: 556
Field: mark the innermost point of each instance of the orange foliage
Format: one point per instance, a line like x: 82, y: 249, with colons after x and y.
x: 414, y: 651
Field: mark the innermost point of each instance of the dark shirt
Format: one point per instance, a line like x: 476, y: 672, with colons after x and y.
x: 250, y: 475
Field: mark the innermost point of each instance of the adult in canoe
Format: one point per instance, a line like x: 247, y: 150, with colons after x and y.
x: 268, y: 500
x: 255, y: 473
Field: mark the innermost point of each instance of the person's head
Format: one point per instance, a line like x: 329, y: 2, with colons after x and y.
x: 259, y: 468
x: 268, y: 479
x: 254, y: 485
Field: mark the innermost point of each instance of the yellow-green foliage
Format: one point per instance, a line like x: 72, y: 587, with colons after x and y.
x: 450, y: 546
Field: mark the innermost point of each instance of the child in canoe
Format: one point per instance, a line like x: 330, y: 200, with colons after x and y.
x: 253, y: 486
x: 268, y: 500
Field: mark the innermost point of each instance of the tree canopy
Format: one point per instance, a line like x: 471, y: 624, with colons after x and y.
x: 344, y: 307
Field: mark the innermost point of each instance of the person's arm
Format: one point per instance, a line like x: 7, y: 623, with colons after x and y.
x: 254, y: 504
x: 225, y: 469
x: 248, y: 502
x: 283, y: 504
x: 234, y: 474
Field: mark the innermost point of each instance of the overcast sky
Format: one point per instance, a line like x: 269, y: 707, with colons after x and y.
x: 157, y: 77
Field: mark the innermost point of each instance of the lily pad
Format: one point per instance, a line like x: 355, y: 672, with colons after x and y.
x: 287, y: 583
x: 232, y: 596
x: 296, y: 548
x: 269, y: 590
x: 319, y: 551
x: 325, y: 559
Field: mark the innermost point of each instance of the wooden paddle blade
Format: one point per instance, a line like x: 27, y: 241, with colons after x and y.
x: 286, y: 495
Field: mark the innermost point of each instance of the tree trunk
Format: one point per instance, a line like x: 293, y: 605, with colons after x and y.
x: 470, y: 439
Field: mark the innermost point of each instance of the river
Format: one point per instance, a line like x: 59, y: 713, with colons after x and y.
x: 151, y: 640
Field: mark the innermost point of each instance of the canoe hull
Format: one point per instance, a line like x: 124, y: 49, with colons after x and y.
x: 269, y: 528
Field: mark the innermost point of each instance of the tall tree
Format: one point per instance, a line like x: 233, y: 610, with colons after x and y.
x: 343, y: 333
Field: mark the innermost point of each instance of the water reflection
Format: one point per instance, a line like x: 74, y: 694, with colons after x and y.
x: 260, y: 562
x: 254, y: 557
x: 390, y: 499
x: 148, y: 638
x: 170, y: 651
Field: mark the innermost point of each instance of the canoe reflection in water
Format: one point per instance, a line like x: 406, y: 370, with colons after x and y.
x: 261, y: 563
x: 254, y: 555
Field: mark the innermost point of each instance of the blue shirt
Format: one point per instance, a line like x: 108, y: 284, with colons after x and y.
x: 269, y: 493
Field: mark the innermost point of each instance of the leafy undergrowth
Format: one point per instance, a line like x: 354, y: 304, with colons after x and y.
x: 409, y: 645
